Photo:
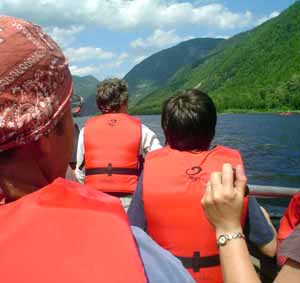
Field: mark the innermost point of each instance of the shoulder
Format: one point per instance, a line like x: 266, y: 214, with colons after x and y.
x: 132, y: 118
x: 161, y: 152
x: 224, y: 154
x: 91, y: 120
x: 71, y: 190
x: 160, y: 265
x: 226, y: 150
x: 290, y: 247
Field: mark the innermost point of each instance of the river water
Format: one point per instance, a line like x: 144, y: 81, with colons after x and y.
x: 269, y: 144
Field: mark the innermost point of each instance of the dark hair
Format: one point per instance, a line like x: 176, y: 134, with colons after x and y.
x: 189, y: 120
x: 111, y: 95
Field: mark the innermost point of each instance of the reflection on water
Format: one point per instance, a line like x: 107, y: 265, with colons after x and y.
x: 269, y: 144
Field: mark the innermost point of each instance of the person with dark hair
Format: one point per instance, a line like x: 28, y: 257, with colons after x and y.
x: 166, y: 202
x: 189, y: 120
x: 54, y: 230
x: 112, y: 146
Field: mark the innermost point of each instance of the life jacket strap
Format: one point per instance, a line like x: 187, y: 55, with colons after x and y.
x: 196, y: 262
x: 109, y: 171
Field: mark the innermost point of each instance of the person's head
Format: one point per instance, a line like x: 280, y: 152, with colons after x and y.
x: 189, y: 120
x: 112, y: 96
x: 36, y: 127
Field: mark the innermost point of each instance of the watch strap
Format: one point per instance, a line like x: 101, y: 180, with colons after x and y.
x: 224, y: 238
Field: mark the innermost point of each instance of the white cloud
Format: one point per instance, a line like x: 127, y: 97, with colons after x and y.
x: 126, y: 15
x: 116, y: 63
x: 103, y: 69
x: 158, y: 40
x: 139, y: 59
x: 271, y: 16
x: 96, y: 71
x: 64, y: 36
x: 86, y: 53
x: 85, y: 70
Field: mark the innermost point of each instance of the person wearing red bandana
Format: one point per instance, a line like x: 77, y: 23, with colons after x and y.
x: 54, y: 230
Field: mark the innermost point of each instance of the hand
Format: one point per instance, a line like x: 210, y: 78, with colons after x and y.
x: 223, y: 199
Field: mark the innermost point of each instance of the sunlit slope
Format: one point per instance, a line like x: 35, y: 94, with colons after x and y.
x: 156, y: 70
x: 258, y: 69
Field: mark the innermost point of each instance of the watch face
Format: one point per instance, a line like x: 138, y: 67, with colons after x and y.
x: 222, y: 240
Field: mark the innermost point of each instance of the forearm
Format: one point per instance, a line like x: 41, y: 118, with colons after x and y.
x: 80, y: 172
x: 270, y: 248
x: 236, y: 263
x: 289, y: 273
x: 80, y: 175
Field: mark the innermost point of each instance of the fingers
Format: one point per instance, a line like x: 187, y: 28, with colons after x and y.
x: 207, y: 197
x: 216, y: 179
x: 227, y: 177
x: 241, y: 179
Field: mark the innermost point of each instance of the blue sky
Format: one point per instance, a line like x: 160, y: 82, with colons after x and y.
x: 107, y: 38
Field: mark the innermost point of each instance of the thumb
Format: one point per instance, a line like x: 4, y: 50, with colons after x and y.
x: 241, y: 180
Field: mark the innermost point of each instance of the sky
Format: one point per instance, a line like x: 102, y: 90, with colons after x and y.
x: 106, y: 38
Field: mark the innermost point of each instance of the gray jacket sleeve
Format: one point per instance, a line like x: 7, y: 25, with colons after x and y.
x: 160, y: 265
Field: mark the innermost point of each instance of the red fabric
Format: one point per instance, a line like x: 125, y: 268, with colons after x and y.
x: 289, y: 221
x: 67, y: 232
x: 35, y: 83
x: 115, y: 139
x: 173, y: 186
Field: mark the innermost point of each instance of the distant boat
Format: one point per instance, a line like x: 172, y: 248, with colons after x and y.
x: 285, y: 113
x: 77, y: 103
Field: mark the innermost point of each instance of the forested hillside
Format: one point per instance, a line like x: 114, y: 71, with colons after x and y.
x: 86, y: 87
x: 255, y: 70
x: 155, y: 71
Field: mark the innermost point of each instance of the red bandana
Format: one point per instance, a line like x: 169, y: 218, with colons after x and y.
x: 35, y: 83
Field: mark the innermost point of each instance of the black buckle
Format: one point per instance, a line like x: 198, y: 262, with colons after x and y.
x: 109, y: 169
x: 196, y: 262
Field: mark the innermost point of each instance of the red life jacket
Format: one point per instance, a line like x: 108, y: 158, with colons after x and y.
x: 173, y: 185
x: 289, y: 221
x: 112, y: 146
x: 291, y: 218
x: 67, y: 232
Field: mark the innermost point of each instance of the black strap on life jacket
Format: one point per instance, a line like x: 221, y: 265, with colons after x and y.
x: 196, y: 262
x: 109, y: 171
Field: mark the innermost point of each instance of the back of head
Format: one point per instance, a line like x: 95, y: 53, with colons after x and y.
x: 35, y: 90
x: 189, y: 120
x: 112, y: 95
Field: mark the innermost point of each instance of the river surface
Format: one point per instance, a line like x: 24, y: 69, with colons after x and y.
x: 269, y: 144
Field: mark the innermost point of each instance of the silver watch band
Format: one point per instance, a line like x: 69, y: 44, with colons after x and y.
x: 224, y: 238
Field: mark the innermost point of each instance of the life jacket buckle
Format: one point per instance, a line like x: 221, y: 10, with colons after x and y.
x: 196, y: 261
x: 109, y: 169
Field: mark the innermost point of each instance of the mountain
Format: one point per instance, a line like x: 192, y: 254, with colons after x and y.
x: 156, y: 70
x: 258, y: 69
x: 86, y: 87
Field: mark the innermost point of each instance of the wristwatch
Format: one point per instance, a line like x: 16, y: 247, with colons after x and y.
x: 224, y: 238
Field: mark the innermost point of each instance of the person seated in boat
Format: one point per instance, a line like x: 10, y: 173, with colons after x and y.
x: 111, y: 146
x: 223, y: 205
x: 166, y: 201
x: 288, y: 223
x: 54, y: 230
